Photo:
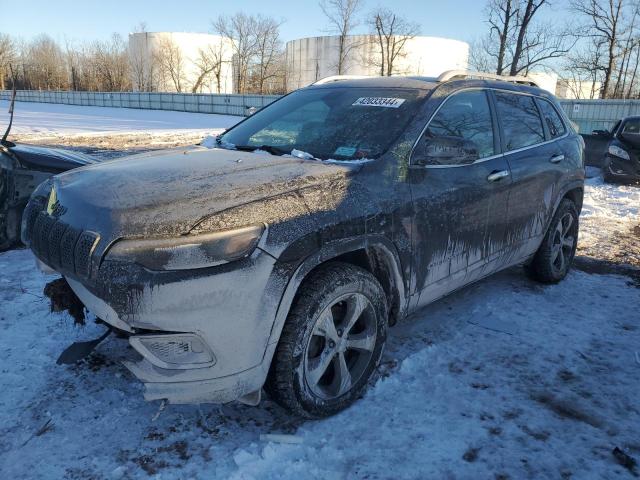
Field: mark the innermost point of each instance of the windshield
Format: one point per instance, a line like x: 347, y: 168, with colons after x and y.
x: 336, y: 123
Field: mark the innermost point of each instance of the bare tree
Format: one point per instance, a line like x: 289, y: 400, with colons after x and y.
x: 342, y: 15
x: 111, y: 64
x: 584, y: 66
x: 628, y: 47
x: 43, y: 64
x: 525, y: 15
x: 268, y: 52
x: 7, y: 55
x: 518, y: 41
x: 257, y: 49
x: 171, y: 64
x: 209, y: 63
x: 605, y: 27
x: 239, y: 29
x: 633, y: 89
x: 390, y: 33
x: 501, y: 19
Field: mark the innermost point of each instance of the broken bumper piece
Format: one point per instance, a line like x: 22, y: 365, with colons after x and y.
x: 178, y: 387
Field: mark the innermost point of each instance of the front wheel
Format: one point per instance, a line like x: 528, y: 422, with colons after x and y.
x: 553, y: 259
x: 331, y: 342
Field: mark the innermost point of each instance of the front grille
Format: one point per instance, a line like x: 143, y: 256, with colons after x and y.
x: 62, y: 246
x: 30, y: 214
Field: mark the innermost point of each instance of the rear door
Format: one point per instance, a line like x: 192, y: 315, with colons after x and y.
x: 459, y: 206
x: 537, y: 162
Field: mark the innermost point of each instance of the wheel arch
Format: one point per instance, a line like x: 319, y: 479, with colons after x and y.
x: 575, y: 193
x: 374, y: 253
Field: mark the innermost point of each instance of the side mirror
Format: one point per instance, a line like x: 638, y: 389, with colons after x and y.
x: 602, y: 133
x: 445, y: 150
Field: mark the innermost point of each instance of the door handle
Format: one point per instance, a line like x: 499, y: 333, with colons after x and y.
x: 495, y: 176
x: 556, y: 158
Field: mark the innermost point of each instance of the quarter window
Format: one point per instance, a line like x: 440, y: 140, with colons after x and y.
x: 520, y: 120
x: 465, y: 115
x: 551, y: 117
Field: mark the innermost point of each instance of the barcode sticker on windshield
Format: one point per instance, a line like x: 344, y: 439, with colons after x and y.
x: 386, y: 102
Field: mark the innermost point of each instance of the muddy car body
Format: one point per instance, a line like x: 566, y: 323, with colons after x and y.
x: 224, y: 264
x: 22, y: 169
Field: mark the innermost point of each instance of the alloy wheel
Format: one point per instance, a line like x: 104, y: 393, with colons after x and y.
x: 564, y: 240
x: 341, y: 346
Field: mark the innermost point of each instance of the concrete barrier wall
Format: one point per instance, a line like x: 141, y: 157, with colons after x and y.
x: 180, y: 102
x: 592, y: 115
x: 589, y: 115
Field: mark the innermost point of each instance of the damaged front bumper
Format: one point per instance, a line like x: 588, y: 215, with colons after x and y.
x: 201, y: 335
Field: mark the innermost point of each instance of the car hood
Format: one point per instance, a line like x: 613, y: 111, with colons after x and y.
x: 169, y: 192
x: 53, y: 160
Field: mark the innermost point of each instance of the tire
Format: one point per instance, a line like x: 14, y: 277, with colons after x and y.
x: 331, y: 342
x: 553, y: 259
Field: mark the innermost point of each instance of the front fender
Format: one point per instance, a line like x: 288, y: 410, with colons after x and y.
x: 377, y: 245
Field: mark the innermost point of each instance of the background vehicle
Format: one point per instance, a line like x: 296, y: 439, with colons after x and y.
x: 617, y: 151
x: 280, y: 258
x: 22, y: 169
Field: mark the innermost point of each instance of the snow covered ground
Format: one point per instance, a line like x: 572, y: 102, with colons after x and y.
x: 611, y: 222
x: 506, y: 379
x: 104, y: 127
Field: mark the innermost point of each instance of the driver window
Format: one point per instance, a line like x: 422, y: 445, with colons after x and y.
x: 463, y: 120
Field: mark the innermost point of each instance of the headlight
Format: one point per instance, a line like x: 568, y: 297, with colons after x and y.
x: 190, y: 251
x: 618, y: 152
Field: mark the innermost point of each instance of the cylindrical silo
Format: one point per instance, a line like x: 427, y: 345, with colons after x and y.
x: 313, y: 58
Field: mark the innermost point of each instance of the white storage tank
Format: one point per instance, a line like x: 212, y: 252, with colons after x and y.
x: 172, y: 61
x: 310, y: 59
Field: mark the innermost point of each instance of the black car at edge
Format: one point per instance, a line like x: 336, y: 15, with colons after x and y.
x: 617, y: 151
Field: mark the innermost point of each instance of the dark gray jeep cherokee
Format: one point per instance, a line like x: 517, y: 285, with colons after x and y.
x: 279, y: 258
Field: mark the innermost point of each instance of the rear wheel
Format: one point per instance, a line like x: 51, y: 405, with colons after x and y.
x: 331, y: 342
x: 553, y: 259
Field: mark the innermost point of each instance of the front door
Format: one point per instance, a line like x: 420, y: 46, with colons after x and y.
x: 459, y: 184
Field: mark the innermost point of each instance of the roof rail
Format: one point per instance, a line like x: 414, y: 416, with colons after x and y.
x: 452, y: 74
x: 338, y: 78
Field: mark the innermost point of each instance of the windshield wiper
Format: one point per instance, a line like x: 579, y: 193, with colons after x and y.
x: 267, y: 148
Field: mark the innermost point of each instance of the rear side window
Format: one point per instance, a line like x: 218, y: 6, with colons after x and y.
x: 520, y: 120
x: 552, y: 118
x: 465, y: 115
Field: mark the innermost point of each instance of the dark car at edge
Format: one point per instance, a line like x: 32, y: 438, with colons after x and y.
x: 22, y: 168
x: 616, y: 151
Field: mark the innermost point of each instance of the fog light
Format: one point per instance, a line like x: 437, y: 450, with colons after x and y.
x: 174, y: 351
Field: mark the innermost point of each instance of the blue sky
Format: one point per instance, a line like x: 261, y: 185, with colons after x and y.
x: 97, y: 19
